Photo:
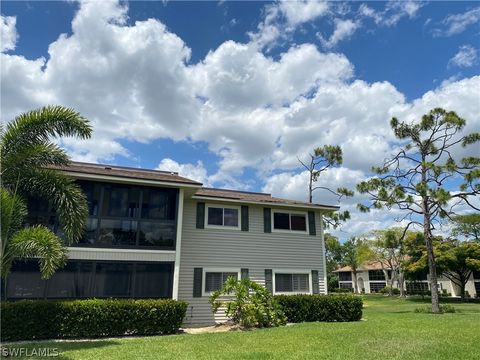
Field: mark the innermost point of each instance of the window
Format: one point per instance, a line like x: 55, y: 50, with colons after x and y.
x: 376, y: 275
x: 416, y: 287
x: 117, y: 232
x: 82, y: 279
x: 219, y: 216
x: 476, y: 275
x: 24, y: 281
x: 160, y: 234
x: 345, y: 276
x: 215, y: 280
x: 289, y: 221
x: 130, y: 216
x: 159, y: 204
x: 377, y: 286
x: 298, y: 283
x: 153, y: 280
x: 346, y: 285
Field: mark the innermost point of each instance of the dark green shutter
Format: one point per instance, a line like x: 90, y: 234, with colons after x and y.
x: 311, y: 223
x: 200, y: 215
x: 267, y: 220
x: 315, y: 282
x: 197, y: 282
x: 244, y: 218
x: 244, y: 273
x: 268, y: 280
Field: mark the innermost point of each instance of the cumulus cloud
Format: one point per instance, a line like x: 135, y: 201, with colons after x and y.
x: 191, y: 171
x: 302, y: 11
x: 465, y: 57
x: 8, y: 33
x: 458, y: 23
x: 344, y: 29
x: 254, y: 111
x: 283, y: 17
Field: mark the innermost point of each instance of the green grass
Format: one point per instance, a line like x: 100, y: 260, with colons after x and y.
x: 390, y: 330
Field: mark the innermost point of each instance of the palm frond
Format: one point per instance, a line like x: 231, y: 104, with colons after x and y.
x: 38, y: 126
x: 39, y: 242
x: 63, y: 194
x: 12, y: 215
x: 29, y: 157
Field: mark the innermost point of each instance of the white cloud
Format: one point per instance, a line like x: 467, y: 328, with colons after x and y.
x: 344, y: 29
x: 284, y: 17
x: 8, y: 32
x: 302, y: 11
x: 458, y: 23
x: 191, y: 171
x: 394, y: 11
x: 465, y: 57
x: 255, y: 112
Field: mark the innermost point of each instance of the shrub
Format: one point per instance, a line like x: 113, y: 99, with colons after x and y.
x: 48, y: 319
x: 248, y: 304
x: 386, y: 290
x: 342, y: 290
x: 305, y: 308
x: 446, y: 308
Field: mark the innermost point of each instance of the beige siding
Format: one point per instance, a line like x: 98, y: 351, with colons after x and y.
x: 235, y: 249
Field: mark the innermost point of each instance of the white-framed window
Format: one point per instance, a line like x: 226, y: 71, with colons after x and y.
x: 292, y: 282
x: 214, y: 278
x: 289, y: 221
x: 219, y: 216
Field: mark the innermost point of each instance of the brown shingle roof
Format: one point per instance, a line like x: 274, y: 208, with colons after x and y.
x: 126, y: 172
x: 254, y: 197
x: 371, y: 265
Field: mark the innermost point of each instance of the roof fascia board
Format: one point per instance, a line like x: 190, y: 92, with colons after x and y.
x: 316, y: 207
x: 128, y: 180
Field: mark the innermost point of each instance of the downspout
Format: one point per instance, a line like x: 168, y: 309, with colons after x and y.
x: 323, y: 255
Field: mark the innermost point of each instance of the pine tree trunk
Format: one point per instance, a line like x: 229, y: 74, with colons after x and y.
x: 431, y: 260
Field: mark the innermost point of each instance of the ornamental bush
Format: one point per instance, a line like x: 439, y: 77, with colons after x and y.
x: 52, y: 319
x: 247, y: 304
x: 306, y: 308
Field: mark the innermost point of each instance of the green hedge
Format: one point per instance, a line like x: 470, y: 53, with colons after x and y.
x: 305, y: 308
x: 50, y: 319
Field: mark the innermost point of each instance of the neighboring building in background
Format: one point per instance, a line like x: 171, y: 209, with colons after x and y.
x: 154, y: 234
x: 373, y: 277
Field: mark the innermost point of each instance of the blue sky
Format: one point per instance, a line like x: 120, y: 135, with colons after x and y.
x: 230, y: 93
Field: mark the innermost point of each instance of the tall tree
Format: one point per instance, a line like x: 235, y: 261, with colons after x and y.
x: 321, y: 160
x: 333, y: 255
x: 28, y: 161
x: 467, y: 226
x: 457, y: 260
x: 355, y: 253
x: 422, y: 178
x: 387, y: 249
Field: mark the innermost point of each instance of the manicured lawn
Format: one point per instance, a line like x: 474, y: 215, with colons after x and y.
x: 390, y: 330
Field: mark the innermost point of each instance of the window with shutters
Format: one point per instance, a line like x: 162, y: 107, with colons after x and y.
x: 289, y: 221
x: 222, y: 217
x: 215, y: 278
x: 289, y: 282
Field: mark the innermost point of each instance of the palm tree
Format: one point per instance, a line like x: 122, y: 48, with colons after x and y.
x: 28, y: 162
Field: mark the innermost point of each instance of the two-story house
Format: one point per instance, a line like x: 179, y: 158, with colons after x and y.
x: 372, y: 277
x: 154, y: 234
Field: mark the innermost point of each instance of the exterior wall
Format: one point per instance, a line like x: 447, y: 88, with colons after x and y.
x: 112, y: 254
x: 235, y: 249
